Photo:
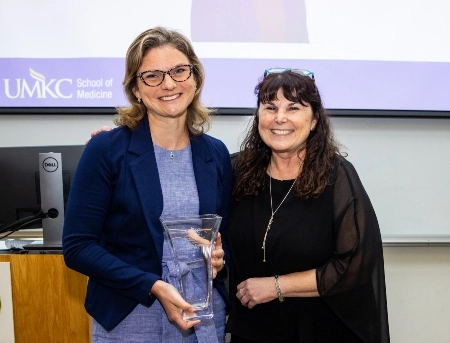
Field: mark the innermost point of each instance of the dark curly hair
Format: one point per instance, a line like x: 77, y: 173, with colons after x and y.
x: 321, y: 148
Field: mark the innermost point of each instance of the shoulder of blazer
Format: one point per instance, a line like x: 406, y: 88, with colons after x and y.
x: 209, y: 148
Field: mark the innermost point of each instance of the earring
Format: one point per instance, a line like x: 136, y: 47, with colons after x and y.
x: 139, y: 100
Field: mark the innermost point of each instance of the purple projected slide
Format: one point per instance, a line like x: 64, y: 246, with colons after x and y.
x: 369, y: 57
x: 96, y: 82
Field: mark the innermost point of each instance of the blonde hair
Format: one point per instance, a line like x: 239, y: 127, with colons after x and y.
x: 198, y: 117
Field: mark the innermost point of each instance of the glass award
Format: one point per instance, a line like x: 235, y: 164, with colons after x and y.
x: 191, y: 241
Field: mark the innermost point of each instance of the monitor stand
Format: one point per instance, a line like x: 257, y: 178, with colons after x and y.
x: 52, y: 200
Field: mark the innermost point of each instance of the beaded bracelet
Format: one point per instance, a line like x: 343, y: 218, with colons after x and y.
x: 277, y: 286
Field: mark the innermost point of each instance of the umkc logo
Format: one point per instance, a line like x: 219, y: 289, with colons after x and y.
x: 41, y: 88
x: 50, y: 164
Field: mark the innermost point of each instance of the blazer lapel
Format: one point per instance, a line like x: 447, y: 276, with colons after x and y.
x: 205, y: 174
x: 146, y: 177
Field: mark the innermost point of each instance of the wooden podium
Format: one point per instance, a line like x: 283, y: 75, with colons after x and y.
x: 48, y: 300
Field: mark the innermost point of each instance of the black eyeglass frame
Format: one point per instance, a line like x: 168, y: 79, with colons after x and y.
x: 302, y: 72
x: 140, y: 75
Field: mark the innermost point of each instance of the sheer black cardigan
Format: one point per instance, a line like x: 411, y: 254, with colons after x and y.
x: 357, y: 259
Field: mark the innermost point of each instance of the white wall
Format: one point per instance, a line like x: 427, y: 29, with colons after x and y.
x: 417, y: 278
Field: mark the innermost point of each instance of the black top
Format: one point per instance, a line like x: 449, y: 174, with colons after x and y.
x: 337, y: 234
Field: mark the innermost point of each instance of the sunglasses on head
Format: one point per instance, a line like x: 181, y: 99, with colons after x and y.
x: 302, y: 72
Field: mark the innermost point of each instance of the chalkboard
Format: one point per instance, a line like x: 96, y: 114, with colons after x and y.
x: 404, y: 165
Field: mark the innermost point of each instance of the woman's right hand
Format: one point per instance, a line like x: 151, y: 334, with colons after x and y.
x: 173, y: 304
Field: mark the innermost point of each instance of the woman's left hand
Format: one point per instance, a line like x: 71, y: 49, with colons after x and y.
x: 217, y: 260
x: 254, y: 291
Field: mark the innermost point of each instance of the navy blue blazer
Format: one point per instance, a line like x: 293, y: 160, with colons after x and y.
x: 112, y: 231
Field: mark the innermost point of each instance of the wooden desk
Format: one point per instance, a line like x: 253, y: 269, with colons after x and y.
x: 48, y: 300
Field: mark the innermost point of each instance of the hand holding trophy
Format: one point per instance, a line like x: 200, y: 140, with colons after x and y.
x: 192, y: 240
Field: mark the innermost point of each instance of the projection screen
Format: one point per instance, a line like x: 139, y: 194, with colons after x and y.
x: 385, y: 57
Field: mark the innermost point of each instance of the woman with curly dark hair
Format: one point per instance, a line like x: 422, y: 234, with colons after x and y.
x: 306, y: 253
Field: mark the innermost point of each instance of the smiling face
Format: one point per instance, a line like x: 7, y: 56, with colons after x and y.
x: 285, y: 125
x: 170, y: 98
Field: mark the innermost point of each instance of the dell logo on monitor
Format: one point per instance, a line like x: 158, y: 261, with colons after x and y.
x: 50, y: 164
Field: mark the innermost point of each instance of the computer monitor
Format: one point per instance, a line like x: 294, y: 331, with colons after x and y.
x: 19, y: 179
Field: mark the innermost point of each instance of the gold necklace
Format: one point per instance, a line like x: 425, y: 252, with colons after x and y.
x: 172, y: 155
x: 273, y: 213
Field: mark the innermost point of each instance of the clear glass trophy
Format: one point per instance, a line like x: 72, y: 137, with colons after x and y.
x: 191, y: 240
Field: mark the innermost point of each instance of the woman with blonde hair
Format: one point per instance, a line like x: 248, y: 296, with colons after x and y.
x: 157, y: 163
